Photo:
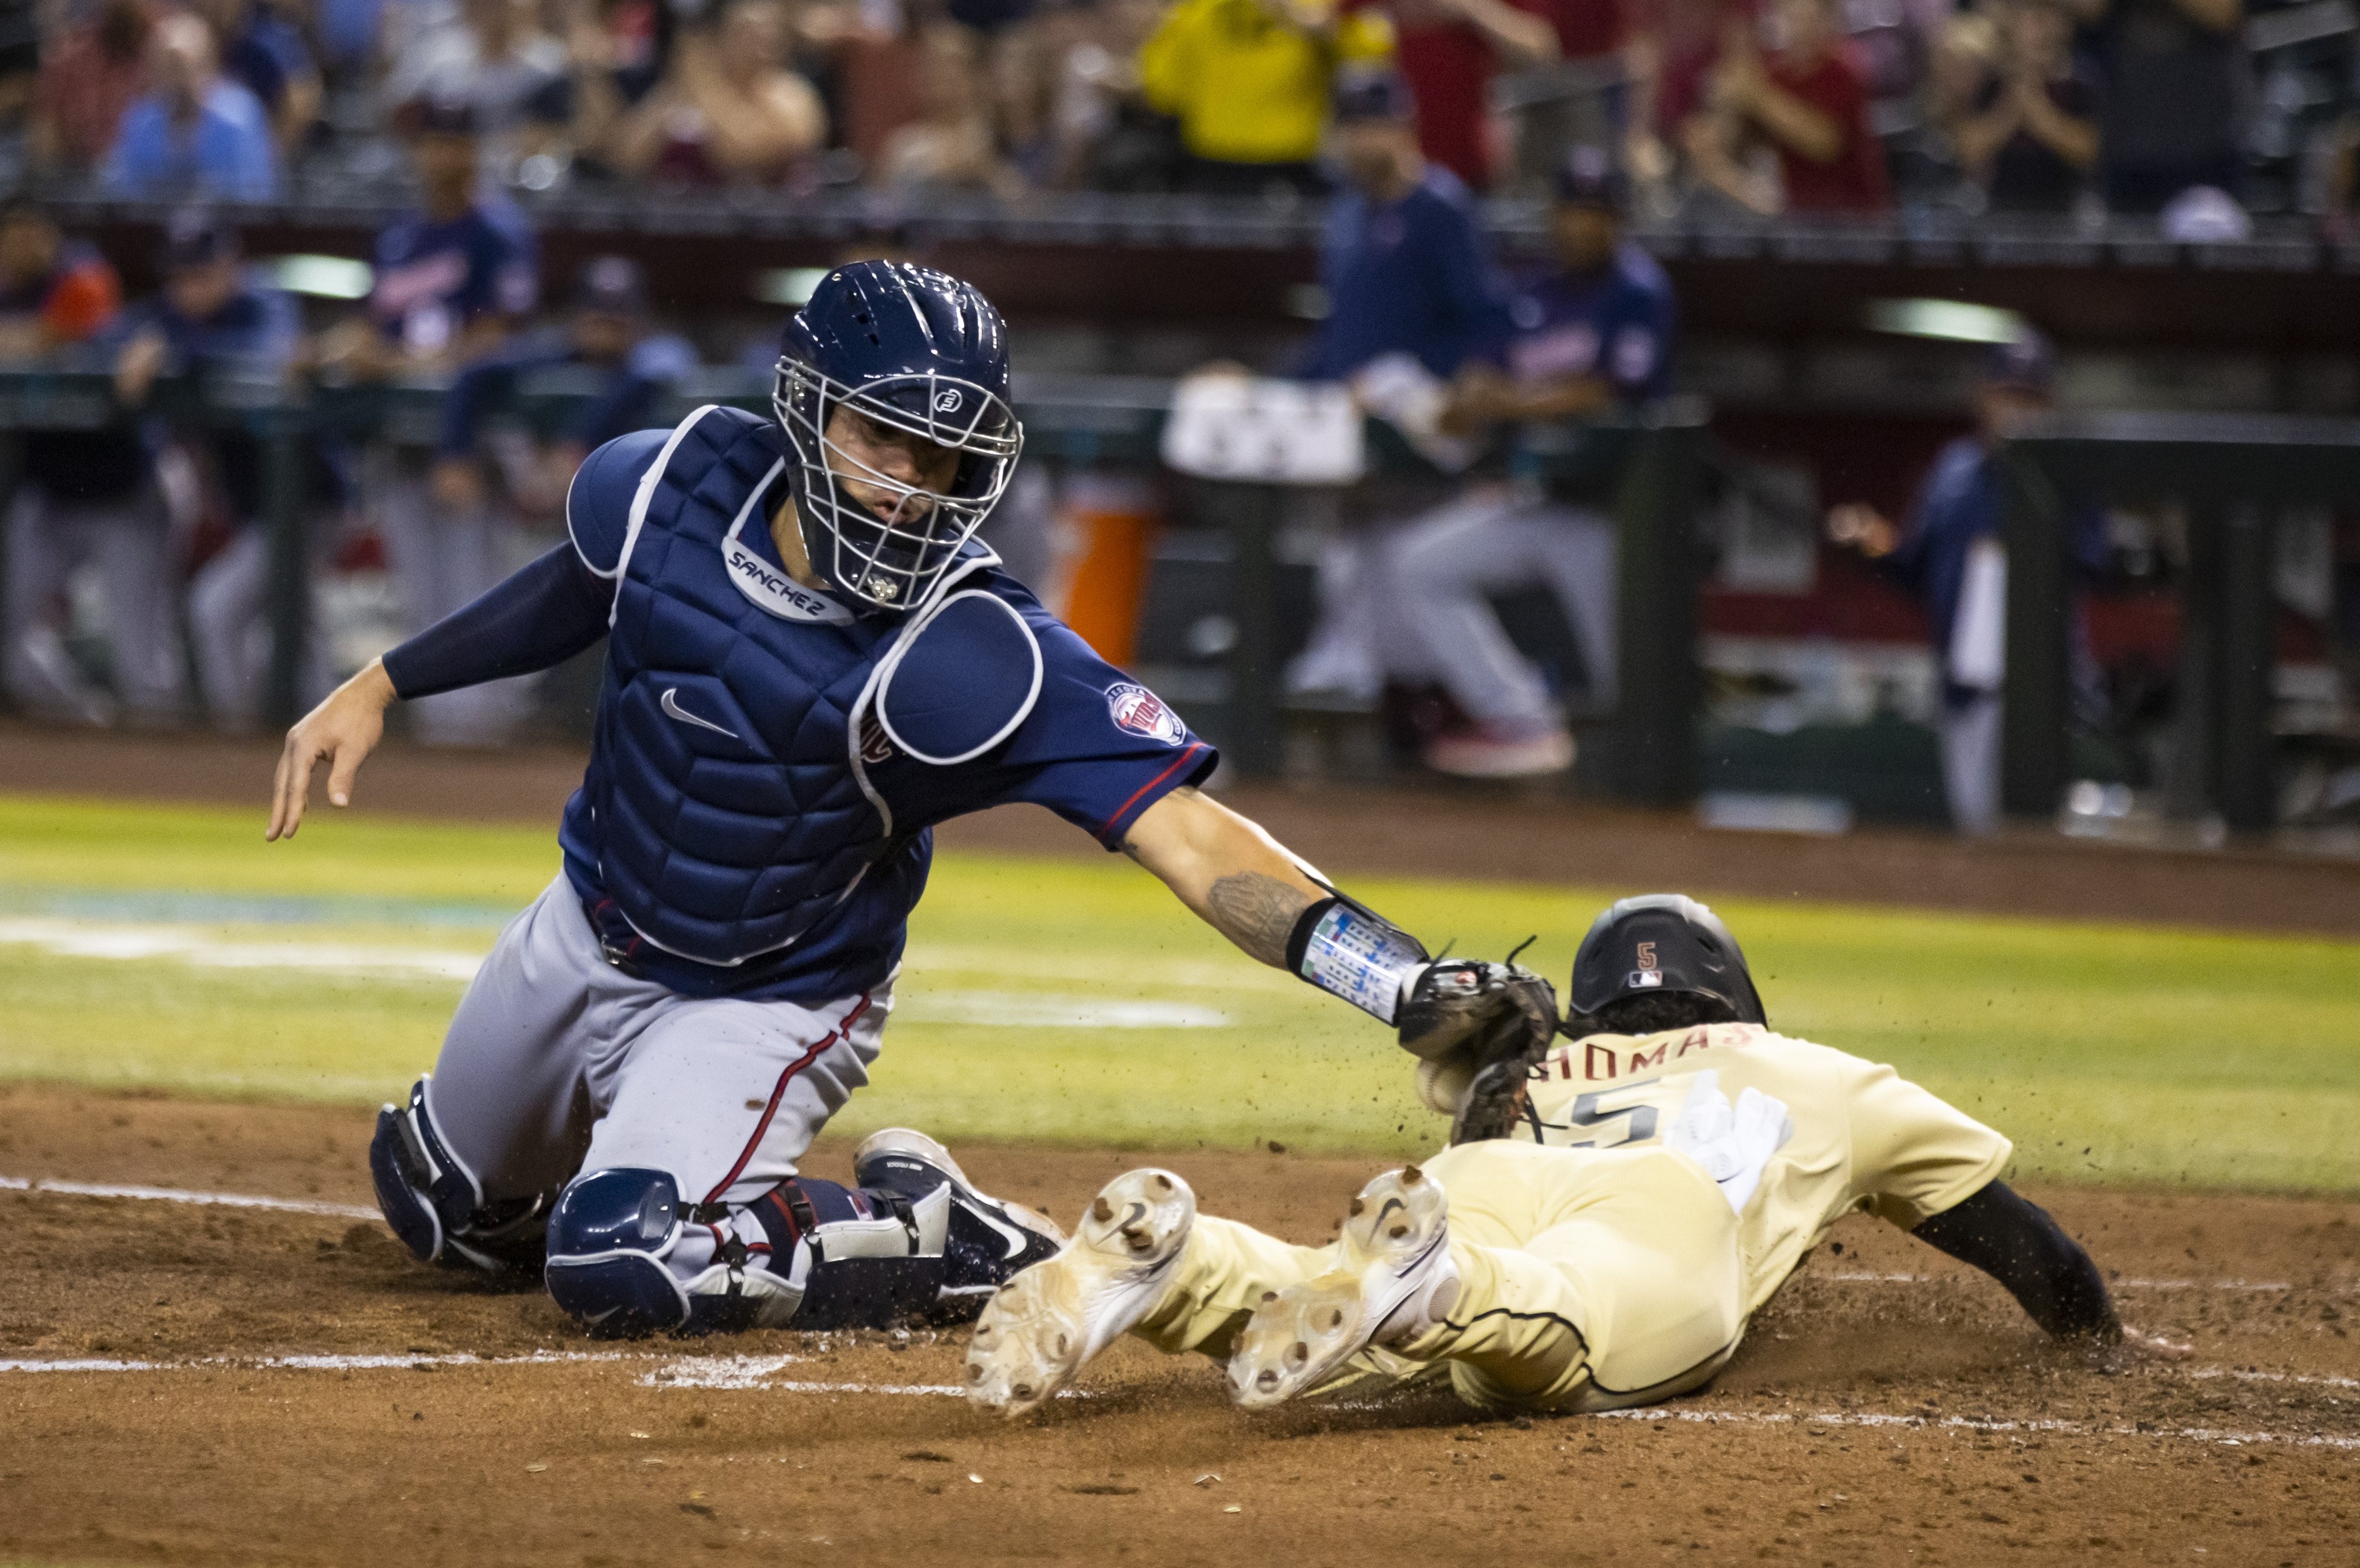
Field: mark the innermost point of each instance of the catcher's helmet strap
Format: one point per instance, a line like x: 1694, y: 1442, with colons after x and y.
x: 1349, y: 951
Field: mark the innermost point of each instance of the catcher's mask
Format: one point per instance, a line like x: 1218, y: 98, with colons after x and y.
x: 1658, y: 944
x: 917, y: 352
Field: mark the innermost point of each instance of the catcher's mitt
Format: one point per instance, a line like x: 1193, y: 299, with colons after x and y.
x: 1464, y: 1018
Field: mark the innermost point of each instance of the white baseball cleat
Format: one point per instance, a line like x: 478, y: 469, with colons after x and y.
x: 1394, y: 1278
x: 1042, y: 1325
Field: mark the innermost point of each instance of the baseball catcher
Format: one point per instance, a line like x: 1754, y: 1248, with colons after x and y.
x: 1610, y: 1215
x: 811, y: 659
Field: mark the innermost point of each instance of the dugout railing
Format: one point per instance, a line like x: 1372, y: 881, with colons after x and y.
x: 1650, y: 464
x: 2233, y: 474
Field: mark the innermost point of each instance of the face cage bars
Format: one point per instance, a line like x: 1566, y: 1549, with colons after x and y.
x: 862, y: 545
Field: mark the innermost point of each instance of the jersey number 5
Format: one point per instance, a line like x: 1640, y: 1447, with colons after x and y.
x: 1590, y: 1113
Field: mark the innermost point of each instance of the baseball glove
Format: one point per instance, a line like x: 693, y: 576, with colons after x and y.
x: 1465, y: 1017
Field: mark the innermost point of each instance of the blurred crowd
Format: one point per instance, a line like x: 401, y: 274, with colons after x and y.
x: 1760, y: 106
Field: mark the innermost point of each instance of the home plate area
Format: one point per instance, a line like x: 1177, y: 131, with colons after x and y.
x: 225, y: 1381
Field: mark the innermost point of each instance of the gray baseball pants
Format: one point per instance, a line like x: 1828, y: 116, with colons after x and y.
x: 127, y: 541
x: 1442, y: 569
x: 440, y: 559
x: 557, y: 1062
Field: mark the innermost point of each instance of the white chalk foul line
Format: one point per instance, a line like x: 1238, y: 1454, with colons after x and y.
x: 324, y: 1362
x: 181, y: 1196
x: 699, y: 1372
x: 1964, y: 1423
x: 1859, y: 1278
x: 759, y: 1374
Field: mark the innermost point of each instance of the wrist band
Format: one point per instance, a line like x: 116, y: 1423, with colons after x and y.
x: 1352, y: 951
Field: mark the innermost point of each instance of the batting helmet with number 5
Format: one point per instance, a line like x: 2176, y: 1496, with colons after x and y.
x: 1662, y: 943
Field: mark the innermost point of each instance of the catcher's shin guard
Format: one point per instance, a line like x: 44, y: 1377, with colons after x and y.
x: 990, y: 1239
x: 855, y: 1258
x: 434, y: 1204
x: 627, y: 1257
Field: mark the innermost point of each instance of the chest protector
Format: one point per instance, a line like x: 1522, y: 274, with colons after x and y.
x: 725, y: 811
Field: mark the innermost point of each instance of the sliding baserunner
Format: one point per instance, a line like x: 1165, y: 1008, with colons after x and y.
x: 1608, y: 1217
x: 810, y: 661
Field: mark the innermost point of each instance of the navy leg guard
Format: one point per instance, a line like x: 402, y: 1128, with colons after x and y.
x: 608, y: 1237
x: 988, y: 1241
x: 863, y: 1258
x: 433, y: 1204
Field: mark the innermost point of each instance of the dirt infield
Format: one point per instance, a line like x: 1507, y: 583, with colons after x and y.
x: 1472, y: 832
x: 1886, y: 1409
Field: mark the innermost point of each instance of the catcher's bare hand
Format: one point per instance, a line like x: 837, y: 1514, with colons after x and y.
x: 341, y: 731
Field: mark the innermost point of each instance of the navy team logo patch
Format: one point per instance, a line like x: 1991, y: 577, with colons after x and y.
x: 1143, y: 713
x: 875, y: 746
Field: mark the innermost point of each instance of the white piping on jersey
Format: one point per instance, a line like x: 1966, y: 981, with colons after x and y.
x: 640, y: 499
x: 892, y: 662
x: 583, y: 555
x: 786, y: 601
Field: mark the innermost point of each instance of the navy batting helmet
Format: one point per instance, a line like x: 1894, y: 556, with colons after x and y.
x: 1658, y: 944
x: 920, y: 353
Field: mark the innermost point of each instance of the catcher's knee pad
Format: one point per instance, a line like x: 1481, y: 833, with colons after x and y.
x: 434, y: 1204
x: 609, y: 1239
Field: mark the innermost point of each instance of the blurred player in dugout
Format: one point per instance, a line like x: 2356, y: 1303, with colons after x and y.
x: 214, y: 318
x: 504, y: 480
x: 1433, y: 341
x: 1590, y: 336
x: 1949, y: 554
x: 86, y: 497
x: 453, y: 278
x: 1608, y: 1219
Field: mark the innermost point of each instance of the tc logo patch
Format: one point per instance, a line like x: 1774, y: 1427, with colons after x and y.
x: 1143, y: 713
x: 875, y: 746
x: 947, y: 401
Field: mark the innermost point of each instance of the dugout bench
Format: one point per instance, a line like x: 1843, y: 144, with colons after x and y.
x: 1652, y: 462
x: 2234, y: 473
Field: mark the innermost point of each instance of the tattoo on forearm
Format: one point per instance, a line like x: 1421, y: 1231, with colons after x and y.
x: 1258, y: 912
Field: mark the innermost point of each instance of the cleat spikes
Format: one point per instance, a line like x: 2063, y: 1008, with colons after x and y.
x: 1393, y: 1277
x: 1046, y: 1325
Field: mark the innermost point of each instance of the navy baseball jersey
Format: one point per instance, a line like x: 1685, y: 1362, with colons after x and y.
x: 434, y: 279
x: 1615, y: 324
x: 768, y: 764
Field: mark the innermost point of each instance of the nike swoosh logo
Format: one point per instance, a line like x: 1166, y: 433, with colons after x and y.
x: 671, y: 704
x: 1015, y: 1237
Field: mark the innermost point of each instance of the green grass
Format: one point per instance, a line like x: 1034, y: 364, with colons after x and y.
x: 2109, y: 1053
